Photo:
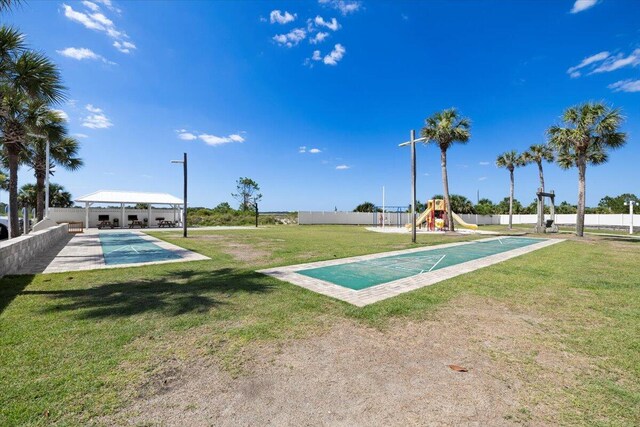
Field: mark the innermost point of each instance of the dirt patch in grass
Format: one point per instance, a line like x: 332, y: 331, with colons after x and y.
x: 247, y: 253
x: 357, y: 375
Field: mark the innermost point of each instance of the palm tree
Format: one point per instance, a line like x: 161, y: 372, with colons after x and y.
x: 48, y: 125
x: 539, y: 153
x: 7, y: 5
x: 589, y: 131
x: 443, y: 129
x: 25, y: 76
x: 510, y: 160
x: 60, y: 198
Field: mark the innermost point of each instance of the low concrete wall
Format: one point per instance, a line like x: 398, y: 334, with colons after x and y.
x: 22, y: 250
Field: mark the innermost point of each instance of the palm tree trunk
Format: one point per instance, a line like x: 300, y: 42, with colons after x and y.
x: 511, y: 201
x: 541, y: 175
x: 40, y: 178
x: 582, y: 170
x: 14, y: 220
x: 445, y: 188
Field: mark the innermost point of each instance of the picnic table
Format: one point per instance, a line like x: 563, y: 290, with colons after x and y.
x: 165, y: 223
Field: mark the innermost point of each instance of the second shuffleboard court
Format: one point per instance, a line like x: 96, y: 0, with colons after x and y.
x: 363, y: 274
x: 367, y: 279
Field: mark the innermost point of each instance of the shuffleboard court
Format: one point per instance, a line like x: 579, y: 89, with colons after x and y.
x: 366, y: 279
x: 130, y: 248
x: 363, y: 274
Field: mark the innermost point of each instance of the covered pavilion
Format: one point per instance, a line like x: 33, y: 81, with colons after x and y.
x: 129, y: 197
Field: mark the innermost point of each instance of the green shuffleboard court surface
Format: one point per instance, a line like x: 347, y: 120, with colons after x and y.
x: 364, y: 274
x: 129, y: 248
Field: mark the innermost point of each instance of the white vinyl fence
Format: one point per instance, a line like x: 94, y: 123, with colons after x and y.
x: 394, y: 219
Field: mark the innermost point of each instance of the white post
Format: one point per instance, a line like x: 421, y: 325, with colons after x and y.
x: 121, y: 215
x: 383, y: 214
x: 86, y: 214
x: 149, y: 216
x: 46, y: 186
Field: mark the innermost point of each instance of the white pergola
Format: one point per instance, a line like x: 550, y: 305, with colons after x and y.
x: 128, y: 197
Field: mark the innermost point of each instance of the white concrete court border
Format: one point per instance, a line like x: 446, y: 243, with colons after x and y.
x: 383, y: 291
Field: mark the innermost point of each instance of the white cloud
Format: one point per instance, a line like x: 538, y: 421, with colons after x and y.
x: 93, y: 19
x: 219, y: 140
x: 236, y: 138
x: 581, y: 5
x: 81, y: 53
x: 332, y: 25
x: 335, y: 56
x: 342, y: 167
x: 619, y: 61
x: 344, y: 6
x: 109, y: 5
x: 96, y: 120
x: 316, y: 55
x: 318, y: 38
x: 482, y: 178
x: 484, y: 163
x: 573, y: 71
x: 90, y: 108
x: 315, y: 151
x: 277, y: 16
x: 90, y: 5
x: 625, y: 86
x: 292, y: 38
x: 302, y: 149
x: 187, y: 136
x: 124, y: 47
x: 209, y: 139
x: 81, y: 135
x: 62, y: 114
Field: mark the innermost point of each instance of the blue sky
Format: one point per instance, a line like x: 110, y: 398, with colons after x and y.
x: 240, y: 87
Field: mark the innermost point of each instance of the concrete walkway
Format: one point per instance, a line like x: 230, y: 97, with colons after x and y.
x: 84, y: 252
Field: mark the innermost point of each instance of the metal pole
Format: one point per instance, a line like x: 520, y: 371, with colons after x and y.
x: 184, y: 220
x: 631, y: 203
x: 46, y: 185
x: 413, y: 185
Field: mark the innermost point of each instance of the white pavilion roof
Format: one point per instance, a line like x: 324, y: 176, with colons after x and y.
x: 112, y: 196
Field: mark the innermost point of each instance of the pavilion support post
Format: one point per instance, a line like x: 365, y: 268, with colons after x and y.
x: 149, y: 216
x: 86, y: 214
x: 121, y: 215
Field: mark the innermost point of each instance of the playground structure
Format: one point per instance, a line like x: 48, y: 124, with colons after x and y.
x: 435, y: 217
x: 549, y: 225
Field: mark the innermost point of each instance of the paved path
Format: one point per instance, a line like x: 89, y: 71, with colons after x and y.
x: 84, y: 252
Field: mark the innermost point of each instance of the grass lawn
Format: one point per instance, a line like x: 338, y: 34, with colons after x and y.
x: 77, y: 346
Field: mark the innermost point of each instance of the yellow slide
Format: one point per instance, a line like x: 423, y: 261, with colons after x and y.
x: 422, y: 218
x: 463, y: 224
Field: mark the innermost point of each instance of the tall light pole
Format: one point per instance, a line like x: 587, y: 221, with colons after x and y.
x: 412, y: 141
x: 630, y: 203
x: 184, y: 206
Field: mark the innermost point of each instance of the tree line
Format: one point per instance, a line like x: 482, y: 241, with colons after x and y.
x: 585, y: 136
x: 462, y: 205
